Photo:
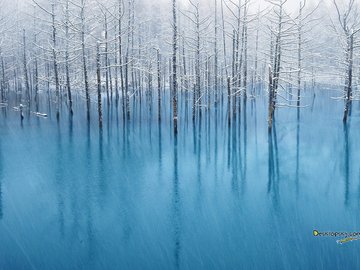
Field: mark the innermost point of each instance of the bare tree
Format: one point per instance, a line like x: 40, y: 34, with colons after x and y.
x: 349, y: 24
x: 174, y: 69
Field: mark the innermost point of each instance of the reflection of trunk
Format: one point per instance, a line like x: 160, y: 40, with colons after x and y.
x: 348, y: 86
x: 176, y: 206
x: 234, y: 160
x: 1, y: 177
x: 297, y: 148
x: 273, y: 166
x: 245, y: 142
x: 347, y: 159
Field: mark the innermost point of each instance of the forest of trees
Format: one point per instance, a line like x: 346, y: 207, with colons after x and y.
x: 212, y: 52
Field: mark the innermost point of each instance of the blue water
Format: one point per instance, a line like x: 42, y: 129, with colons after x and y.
x: 135, y: 197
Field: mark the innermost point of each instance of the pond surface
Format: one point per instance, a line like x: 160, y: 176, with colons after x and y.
x: 135, y: 197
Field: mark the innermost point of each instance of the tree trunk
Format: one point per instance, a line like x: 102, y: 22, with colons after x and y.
x: 27, y: 86
x: 57, y: 85
x: 348, y: 87
x: 86, y: 80
x: 174, y: 75
x: 98, y: 75
x: 159, y: 85
x: 67, y: 58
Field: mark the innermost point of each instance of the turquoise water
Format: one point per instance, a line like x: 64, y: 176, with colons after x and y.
x: 135, y: 197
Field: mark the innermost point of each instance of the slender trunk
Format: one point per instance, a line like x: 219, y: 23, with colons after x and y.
x: 197, y: 60
x: 26, y: 76
x: 245, y: 49
x: 36, y: 79
x: 98, y: 75
x: 216, y: 57
x: 68, y: 86
x: 127, y: 103
x: 229, y: 100
x: 120, y: 58
x: 106, y: 61
x: 234, y: 73
x: 116, y: 71
x: 3, y: 81
x: 159, y: 85
x: 271, y: 86
x: 174, y: 75
x: 86, y: 80
x: 224, y: 37
x: 57, y: 85
x: 348, y: 87
x: 299, y: 56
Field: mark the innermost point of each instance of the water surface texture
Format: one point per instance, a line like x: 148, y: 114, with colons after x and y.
x: 135, y: 197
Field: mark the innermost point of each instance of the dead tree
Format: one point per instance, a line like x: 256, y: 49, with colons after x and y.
x: 159, y: 83
x: 276, y: 54
x: 174, y: 69
x: 55, y: 62
x: 84, y: 61
x: 120, y: 33
x: 98, y: 76
x: 349, y: 22
x: 216, y: 56
x: 25, y: 65
x: 67, y: 38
